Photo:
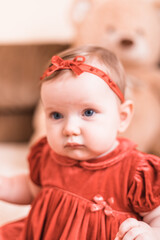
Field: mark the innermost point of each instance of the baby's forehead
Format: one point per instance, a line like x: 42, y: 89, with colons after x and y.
x: 85, y: 82
x: 85, y: 89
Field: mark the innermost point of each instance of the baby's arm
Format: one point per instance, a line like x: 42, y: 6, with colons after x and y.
x: 147, y: 229
x: 18, y: 189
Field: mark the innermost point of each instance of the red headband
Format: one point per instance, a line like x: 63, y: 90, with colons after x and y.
x: 77, y: 66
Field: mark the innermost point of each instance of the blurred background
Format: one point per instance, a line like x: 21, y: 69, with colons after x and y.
x: 32, y: 31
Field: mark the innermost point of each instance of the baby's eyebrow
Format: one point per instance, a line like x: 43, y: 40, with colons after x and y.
x: 52, y: 108
x: 90, y: 105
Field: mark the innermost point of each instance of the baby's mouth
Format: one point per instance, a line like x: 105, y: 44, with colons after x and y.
x: 73, y: 145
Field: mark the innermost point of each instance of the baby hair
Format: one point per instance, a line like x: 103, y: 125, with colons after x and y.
x: 110, y: 63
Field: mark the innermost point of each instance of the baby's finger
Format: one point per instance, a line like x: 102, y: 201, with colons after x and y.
x: 126, y: 226
x: 142, y: 237
x: 118, y: 238
x: 134, y: 233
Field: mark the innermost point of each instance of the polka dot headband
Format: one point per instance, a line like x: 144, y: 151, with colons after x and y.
x: 78, y: 66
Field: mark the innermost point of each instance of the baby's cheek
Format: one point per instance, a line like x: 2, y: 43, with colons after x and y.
x: 97, y: 143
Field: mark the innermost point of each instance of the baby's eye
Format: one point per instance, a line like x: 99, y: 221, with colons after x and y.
x: 56, y: 115
x: 88, y: 112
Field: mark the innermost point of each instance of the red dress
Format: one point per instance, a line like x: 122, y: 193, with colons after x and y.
x: 87, y: 200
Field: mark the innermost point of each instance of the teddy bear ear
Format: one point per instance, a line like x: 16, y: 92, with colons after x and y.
x: 156, y: 3
x: 80, y: 9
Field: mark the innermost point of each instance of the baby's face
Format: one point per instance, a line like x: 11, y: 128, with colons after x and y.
x: 82, y: 115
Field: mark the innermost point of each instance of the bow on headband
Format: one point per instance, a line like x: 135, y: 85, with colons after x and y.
x: 77, y: 66
x: 58, y: 63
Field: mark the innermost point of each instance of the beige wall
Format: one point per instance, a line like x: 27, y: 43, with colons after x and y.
x: 29, y: 21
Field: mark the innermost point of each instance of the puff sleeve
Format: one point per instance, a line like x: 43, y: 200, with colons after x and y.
x: 34, y: 159
x: 144, y: 191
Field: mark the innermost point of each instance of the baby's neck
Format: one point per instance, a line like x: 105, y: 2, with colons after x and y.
x: 110, y: 150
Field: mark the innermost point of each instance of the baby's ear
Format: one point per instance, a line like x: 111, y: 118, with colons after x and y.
x: 126, y: 113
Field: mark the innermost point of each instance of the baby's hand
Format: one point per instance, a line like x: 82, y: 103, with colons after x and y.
x: 132, y: 229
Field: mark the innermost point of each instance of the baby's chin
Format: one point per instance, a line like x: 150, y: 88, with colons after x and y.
x: 80, y: 153
x: 81, y: 156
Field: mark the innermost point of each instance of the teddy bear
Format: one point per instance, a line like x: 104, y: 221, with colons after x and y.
x: 131, y: 29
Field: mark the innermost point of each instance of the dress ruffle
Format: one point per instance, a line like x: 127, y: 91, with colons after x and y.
x: 144, y: 192
x: 34, y: 159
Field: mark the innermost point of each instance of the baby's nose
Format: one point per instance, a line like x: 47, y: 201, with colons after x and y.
x: 72, y: 127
